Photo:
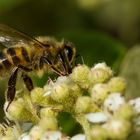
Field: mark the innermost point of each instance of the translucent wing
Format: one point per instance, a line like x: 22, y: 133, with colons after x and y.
x: 10, y: 37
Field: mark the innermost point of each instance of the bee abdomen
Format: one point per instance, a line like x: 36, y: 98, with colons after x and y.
x: 25, y: 54
x: 18, y: 55
x: 15, y: 58
x: 11, y: 57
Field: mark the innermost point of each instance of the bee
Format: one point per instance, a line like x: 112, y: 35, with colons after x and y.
x: 20, y: 52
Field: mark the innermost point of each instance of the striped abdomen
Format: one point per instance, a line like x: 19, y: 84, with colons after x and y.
x: 11, y: 57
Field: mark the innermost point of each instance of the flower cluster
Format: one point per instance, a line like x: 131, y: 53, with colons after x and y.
x: 93, y: 96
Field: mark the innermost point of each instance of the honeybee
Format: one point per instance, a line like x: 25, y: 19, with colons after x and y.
x: 24, y: 53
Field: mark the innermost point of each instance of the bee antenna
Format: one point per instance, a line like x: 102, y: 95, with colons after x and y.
x: 81, y: 57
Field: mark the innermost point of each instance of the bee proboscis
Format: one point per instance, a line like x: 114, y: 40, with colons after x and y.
x: 20, y: 52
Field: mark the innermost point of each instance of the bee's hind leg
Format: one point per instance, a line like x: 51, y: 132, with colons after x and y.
x: 28, y: 82
x: 11, y: 87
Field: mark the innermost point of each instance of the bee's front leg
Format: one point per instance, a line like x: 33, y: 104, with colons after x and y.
x: 12, y: 83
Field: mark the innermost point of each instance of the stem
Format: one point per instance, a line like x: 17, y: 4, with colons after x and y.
x: 85, y: 124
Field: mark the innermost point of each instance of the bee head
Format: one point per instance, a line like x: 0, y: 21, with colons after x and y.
x: 60, y: 57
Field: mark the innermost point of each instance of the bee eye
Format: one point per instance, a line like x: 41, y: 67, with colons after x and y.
x: 69, y: 51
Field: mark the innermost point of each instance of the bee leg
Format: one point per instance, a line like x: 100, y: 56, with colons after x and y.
x: 24, y: 68
x: 46, y: 60
x: 28, y: 82
x: 11, y: 87
x: 12, y: 83
x: 65, y: 62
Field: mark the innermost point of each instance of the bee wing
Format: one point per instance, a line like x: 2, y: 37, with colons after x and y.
x: 10, y: 37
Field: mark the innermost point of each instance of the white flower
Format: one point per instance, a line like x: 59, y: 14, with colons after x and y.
x: 113, y: 102
x: 98, y: 117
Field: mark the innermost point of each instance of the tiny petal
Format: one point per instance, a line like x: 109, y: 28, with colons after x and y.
x: 47, y: 93
x: 52, y: 135
x: 24, y: 136
x: 99, y: 117
x: 100, y: 66
x: 79, y: 137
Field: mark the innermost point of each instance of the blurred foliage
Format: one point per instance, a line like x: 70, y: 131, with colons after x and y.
x: 101, y: 30
x: 6, y: 5
x: 130, y: 70
x: 96, y: 47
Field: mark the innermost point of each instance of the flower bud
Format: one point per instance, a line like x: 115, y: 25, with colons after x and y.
x: 118, y: 128
x: 125, y: 112
x: 99, y: 93
x: 47, y: 112
x: 60, y: 92
x: 38, y: 97
x: 100, y: 73
x: 98, y: 133
x: 74, y: 89
x: 18, y: 111
x: 48, y: 123
x: 117, y: 84
x: 104, y: 67
x: 85, y: 104
x: 80, y: 75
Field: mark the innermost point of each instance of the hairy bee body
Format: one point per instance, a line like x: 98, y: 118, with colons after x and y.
x: 22, y: 54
